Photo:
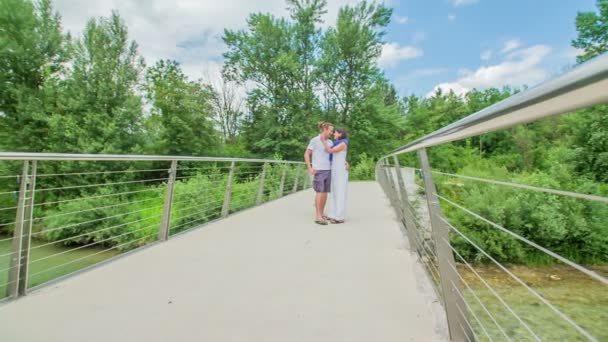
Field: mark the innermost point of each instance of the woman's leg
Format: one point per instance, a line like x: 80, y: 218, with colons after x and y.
x: 340, y: 197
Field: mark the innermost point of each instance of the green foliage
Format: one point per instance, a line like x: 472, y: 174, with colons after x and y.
x: 182, y: 112
x: 277, y: 55
x: 570, y: 227
x: 347, y: 66
x: 592, y: 31
x: 591, y: 143
x: 198, y: 200
x: 97, y: 109
x: 103, y: 220
x: 33, y: 51
x: 363, y: 170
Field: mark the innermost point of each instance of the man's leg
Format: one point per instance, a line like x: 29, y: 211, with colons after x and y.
x: 320, y: 204
x: 323, y: 203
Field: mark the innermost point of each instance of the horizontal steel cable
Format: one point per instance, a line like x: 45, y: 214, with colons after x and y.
x: 104, y: 218
x: 93, y: 232
x: 95, y: 220
x: 582, y: 269
x: 198, y: 206
x: 436, y: 274
x: 99, y: 184
x: 8, y: 208
x: 97, y: 208
x: 100, y: 196
x: 466, y: 319
x: 97, y: 173
x: 203, y: 168
x: 216, y: 174
x: 530, y: 187
x: 189, y: 222
x: 500, y: 299
x: 470, y: 309
x: 90, y: 255
x: 487, y: 311
x: 523, y: 283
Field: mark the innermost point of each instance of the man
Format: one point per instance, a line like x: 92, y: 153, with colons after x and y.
x: 320, y: 169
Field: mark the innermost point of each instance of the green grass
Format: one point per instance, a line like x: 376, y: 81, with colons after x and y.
x: 581, y: 298
x: 49, y: 269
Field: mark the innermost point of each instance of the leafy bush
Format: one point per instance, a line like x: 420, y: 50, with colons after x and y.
x: 571, y: 227
x: 364, y: 170
x: 198, y: 200
x: 106, y: 221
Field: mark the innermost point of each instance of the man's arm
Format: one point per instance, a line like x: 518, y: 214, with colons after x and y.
x: 307, y: 154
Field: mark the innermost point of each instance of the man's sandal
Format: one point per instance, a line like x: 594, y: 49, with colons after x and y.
x: 336, y: 221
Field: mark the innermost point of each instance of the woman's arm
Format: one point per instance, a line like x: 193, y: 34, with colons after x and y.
x: 329, y: 149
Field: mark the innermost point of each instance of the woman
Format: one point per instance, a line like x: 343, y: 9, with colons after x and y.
x: 339, y: 175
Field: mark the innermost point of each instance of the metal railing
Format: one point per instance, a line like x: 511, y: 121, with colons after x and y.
x: 69, y: 212
x: 483, y: 312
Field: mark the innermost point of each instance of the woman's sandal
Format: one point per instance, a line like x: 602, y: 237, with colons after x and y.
x: 336, y: 221
x: 321, y: 222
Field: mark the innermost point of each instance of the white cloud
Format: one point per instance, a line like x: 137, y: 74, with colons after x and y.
x: 571, y: 53
x: 451, y: 17
x: 459, y: 3
x: 520, y: 67
x: 188, y: 31
x: 401, y: 20
x: 511, y: 45
x: 393, y: 53
x: 487, y: 54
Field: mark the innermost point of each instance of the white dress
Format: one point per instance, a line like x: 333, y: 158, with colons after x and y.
x: 339, y: 184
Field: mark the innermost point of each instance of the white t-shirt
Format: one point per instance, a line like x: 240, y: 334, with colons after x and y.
x: 320, y: 157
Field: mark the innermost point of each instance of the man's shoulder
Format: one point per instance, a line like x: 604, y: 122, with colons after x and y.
x: 315, y: 139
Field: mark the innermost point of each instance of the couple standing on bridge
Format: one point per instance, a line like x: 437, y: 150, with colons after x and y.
x: 330, y: 171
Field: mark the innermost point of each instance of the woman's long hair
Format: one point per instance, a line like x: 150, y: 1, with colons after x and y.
x: 343, y: 133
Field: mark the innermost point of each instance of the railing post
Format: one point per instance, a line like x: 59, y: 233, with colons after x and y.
x: 28, y: 218
x: 14, y: 275
x: 392, y: 193
x: 406, y: 208
x: 282, y: 184
x: 260, y: 197
x: 457, y: 324
x: 295, y: 183
x: 165, y: 222
x: 228, y: 194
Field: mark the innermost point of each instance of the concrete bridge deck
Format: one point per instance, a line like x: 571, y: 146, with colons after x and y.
x: 266, y: 274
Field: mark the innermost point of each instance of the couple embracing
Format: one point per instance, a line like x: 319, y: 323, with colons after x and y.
x: 330, y: 171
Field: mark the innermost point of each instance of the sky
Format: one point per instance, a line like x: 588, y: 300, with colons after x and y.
x: 450, y: 44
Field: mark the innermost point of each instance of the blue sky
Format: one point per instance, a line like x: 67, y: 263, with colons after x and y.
x: 453, y: 44
x: 464, y: 43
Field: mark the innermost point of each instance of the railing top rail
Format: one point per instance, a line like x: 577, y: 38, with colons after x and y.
x: 583, y: 86
x: 126, y: 157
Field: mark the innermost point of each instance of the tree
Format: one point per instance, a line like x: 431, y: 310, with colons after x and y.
x: 307, y: 15
x: 98, y: 109
x: 228, y: 107
x: 592, y: 32
x: 590, y: 134
x: 182, y: 108
x: 33, y: 51
x: 275, y: 55
x: 348, y: 62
